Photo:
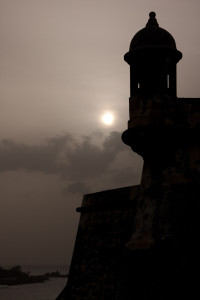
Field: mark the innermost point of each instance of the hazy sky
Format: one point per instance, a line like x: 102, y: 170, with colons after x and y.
x: 61, y: 68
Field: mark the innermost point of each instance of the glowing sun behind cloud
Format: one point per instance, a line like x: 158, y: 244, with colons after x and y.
x: 107, y: 118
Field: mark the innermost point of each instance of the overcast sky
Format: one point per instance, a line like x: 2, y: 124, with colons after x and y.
x: 61, y: 68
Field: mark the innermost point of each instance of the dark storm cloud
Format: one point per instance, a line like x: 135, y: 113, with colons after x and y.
x: 77, y: 187
x: 89, y: 160
x: 34, y: 158
x: 62, y: 155
x: 124, y: 175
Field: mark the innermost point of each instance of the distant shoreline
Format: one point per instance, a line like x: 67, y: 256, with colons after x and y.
x: 15, y: 276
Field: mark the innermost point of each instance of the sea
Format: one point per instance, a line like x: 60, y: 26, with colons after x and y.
x: 48, y: 290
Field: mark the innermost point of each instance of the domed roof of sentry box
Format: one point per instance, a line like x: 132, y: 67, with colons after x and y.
x: 152, y: 36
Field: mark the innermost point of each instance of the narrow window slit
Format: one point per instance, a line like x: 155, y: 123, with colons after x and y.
x: 168, y: 81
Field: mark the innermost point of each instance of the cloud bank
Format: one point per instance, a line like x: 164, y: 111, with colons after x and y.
x: 79, y: 162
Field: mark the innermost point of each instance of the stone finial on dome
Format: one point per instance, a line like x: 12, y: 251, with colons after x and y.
x: 152, y: 20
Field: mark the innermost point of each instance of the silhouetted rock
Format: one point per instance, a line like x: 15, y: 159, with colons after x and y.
x: 15, y: 276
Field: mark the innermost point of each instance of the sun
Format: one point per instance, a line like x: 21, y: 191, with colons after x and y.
x: 107, y: 118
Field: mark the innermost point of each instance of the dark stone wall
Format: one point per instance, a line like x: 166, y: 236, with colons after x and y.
x: 162, y: 257
x: 161, y: 260
x: 106, y: 224
x: 171, y: 172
